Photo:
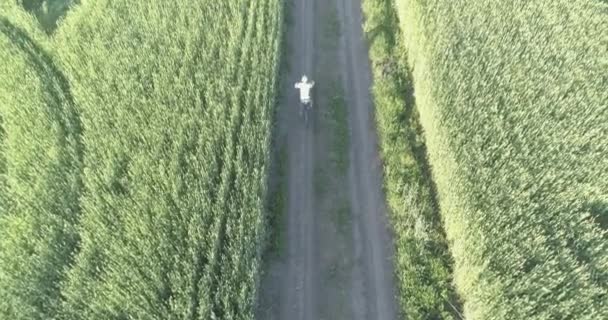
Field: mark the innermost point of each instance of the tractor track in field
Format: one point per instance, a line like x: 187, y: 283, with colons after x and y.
x: 336, y: 261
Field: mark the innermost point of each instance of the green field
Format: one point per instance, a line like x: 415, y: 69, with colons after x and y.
x: 135, y: 146
x: 513, y: 102
x: 134, y: 153
x: 42, y: 153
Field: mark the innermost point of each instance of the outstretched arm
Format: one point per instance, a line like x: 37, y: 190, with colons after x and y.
x: 312, y: 84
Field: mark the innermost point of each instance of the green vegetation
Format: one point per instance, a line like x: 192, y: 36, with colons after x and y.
x: 422, y: 262
x: 161, y: 216
x: 512, y: 97
x: 3, y: 199
x: 41, y: 172
x: 177, y: 199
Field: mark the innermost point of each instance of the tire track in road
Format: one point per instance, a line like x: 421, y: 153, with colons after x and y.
x: 298, y: 284
x: 374, y: 297
x: 301, y: 283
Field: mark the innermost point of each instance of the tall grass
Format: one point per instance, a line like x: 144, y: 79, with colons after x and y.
x: 41, y: 169
x: 175, y: 100
x: 512, y: 97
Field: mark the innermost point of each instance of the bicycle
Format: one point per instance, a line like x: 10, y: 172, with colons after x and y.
x: 305, y: 111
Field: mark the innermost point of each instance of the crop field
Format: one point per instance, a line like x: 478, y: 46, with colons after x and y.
x: 513, y: 102
x: 134, y: 159
x: 154, y: 163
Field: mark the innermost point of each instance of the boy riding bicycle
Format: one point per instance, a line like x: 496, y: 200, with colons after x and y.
x: 305, y: 88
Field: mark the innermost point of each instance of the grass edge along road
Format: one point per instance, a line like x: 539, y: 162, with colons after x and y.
x: 512, y: 98
x: 422, y: 262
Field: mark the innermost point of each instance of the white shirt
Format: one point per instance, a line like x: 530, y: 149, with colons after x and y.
x: 305, y: 89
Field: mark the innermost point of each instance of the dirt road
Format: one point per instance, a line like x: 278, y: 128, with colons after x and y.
x: 335, y: 261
